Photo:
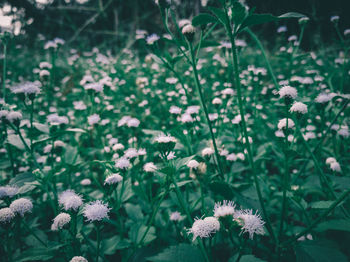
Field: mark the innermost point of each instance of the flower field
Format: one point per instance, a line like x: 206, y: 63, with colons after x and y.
x: 207, y: 148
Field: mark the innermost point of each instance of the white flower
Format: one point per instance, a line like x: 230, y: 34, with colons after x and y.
x: 151, y: 39
x: 13, y: 116
x: 299, y: 107
x: 192, y: 110
x: 288, y: 91
x: 78, y: 258
x: 21, y: 206
x: 171, y: 155
x: 330, y: 160
x: 208, y: 151
x: 175, y: 216
x: 6, y: 215
x: 193, y: 164
x: 122, y: 163
x: 60, y: 221
x: 149, y: 167
x: 184, y: 22
x: 70, y: 200
x: 79, y: 105
x: 175, y: 110
x: 55, y: 119
x: 131, y: 153
x: 203, y: 228
x: 231, y: 157
x: 188, y: 29
x: 251, y: 223
x: 113, y: 179
x: 96, y: 211
x: 93, y: 119
x: 187, y: 118
x: 335, y: 166
x: 217, y: 101
x: 227, y: 208
x: 85, y: 182
x: 8, y: 191
x: 94, y: 86
x: 282, y: 124
x: 133, y: 122
x: 323, y: 98
x: 165, y: 139
x: 334, y: 18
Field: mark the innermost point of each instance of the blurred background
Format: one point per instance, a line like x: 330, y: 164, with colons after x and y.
x: 114, y: 22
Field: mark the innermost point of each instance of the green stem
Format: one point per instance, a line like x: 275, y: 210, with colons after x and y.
x: 205, y: 110
x: 319, y: 169
x: 32, y: 232
x: 98, y: 241
x: 237, y: 83
x: 269, y: 68
x: 4, y: 70
x: 319, y: 219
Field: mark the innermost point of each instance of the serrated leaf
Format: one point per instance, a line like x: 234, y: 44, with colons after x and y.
x: 182, y: 252
x: 203, y: 19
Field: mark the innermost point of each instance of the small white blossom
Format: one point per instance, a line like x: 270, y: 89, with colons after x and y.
x: 288, y: 91
x: 21, y: 206
x: 60, y: 221
x: 251, y: 223
x: 95, y: 211
x: 227, y: 208
x: 113, y: 179
x: 6, y: 215
x: 122, y: 163
x: 149, y: 167
x: 203, y: 228
x: 299, y: 107
x: 282, y: 124
x: 193, y: 164
x: 70, y: 200
x: 165, y: 139
x: 78, y: 259
x: 208, y: 151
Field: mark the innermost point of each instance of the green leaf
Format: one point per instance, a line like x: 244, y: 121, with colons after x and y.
x: 42, y: 127
x: 182, y: 161
x: 136, y: 233
x: 203, y: 19
x: 134, y: 212
x: 336, y: 224
x: 71, y: 155
x: 17, y: 142
x: 22, y: 178
x: 256, y: 19
x: 112, y: 244
x: 318, y: 251
x: 239, y: 12
x: 182, y: 252
x: 250, y: 258
x: 321, y: 204
x: 75, y: 130
x: 220, y: 15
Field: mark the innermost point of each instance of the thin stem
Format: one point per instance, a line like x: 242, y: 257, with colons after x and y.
x: 98, y: 236
x: 269, y: 68
x: 237, y: 83
x: 319, y: 169
x: 4, y: 70
x: 205, y: 110
x: 32, y: 232
x: 319, y: 219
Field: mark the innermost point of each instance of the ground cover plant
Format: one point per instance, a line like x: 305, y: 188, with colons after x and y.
x: 209, y: 148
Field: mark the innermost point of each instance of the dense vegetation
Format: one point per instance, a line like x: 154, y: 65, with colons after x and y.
x: 199, y: 145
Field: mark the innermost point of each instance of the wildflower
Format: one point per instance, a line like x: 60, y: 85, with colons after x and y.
x: 152, y: 39
x: 251, y: 223
x: 165, y: 139
x: 14, y: 117
x: 131, y: 153
x: 70, y: 200
x: 335, y: 166
x: 149, y: 167
x: 21, y: 206
x: 85, y: 182
x: 193, y: 164
x: 227, y: 208
x: 133, y: 122
x: 323, y: 98
x: 188, y: 31
x: 231, y: 157
x: 184, y: 22
x: 60, y: 221
x: 171, y: 155
x: 113, y: 179
x: 78, y: 259
x: 330, y: 160
x: 288, y: 92
x: 299, y: 107
x: 175, y: 216
x: 8, y: 191
x: 95, y: 211
x: 55, y: 119
x: 334, y: 19
x: 97, y: 87
x: 203, y: 228
x: 93, y: 119
x: 208, y: 151
x: 282, y: 124
x: 122, y: 163
x: 6, y: 215
x: 304, y: 20
x: 175, y: 110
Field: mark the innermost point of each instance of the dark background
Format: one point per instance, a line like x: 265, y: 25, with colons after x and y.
x: 118, y: 22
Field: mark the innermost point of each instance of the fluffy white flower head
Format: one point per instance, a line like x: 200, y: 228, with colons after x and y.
x: 60, y: 221
x: 227, y: 208
x: 299, y: 107
x: 70, y: 200
x: 149, y: 167
x: 165, y: 139
x: 21, y: 206
x: 113, y: 179
x: 78, y: 259
x: 6, y: 215
x: 201, y: 228
x: 251, y: 223
x: 8, y: 191
x: 193, y: 164
x: 282, y: 124
x: 288, y: 91
x: 96, y: 211
x: 208, y: 151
